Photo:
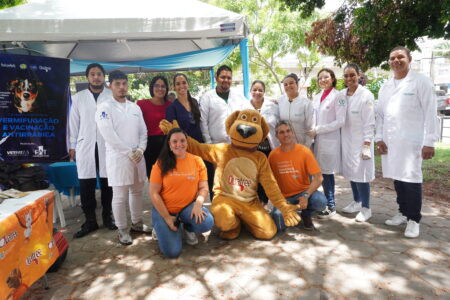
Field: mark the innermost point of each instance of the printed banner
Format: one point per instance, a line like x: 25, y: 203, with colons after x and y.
x: 27, y: 247
x: 34, y: 95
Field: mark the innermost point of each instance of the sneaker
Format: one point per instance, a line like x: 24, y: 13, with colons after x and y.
x: 396, y: 220
x: 190, y: 238
x: 352, y: 207
x: 412, y: 229
x: 308, y: 223
x: 124, y: 237
x: 154, y: 236
x: 327, y: 213
x: 140, y: 227
x: 363, y: 215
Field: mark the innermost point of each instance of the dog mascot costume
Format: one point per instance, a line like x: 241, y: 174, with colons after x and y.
x: 239, y: 169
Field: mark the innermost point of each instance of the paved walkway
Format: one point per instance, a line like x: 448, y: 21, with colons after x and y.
x: 343, y: 259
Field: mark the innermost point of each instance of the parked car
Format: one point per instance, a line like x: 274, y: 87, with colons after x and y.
x: 443, y: 103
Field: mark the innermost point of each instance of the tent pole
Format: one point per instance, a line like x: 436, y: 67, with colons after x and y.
x: 243, y: 46
x: 211, y: 74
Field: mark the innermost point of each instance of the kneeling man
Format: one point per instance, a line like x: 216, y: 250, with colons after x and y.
x: 292, y: 164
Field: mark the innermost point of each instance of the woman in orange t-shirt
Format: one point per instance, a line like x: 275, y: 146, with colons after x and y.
x: 178, y: 188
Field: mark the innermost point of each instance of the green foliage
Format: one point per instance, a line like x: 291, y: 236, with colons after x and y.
x: 364, y: 31
x: 306, y: 7
x: 10, y: 3
x: 274, y: 32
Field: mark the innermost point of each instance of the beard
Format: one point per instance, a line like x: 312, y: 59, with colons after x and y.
x: 96, y: 87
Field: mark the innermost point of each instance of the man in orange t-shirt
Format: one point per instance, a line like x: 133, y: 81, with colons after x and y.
x: 292, y: 164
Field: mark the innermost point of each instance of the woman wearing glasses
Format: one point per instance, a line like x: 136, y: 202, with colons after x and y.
x: 154, y: 110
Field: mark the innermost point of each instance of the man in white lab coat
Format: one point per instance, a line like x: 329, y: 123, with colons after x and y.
x: 406, y: 133
x: 215, y: 107
x: 122, y: 126
x: 87, y: 147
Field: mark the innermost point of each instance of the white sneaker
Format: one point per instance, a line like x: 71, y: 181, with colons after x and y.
x: 124, y: 237
x: 352, y: 207
x: 396, y: 220
x: 412, y: 229
x: 154, y: 236
x: 363, y: 215
x: 190, y: 237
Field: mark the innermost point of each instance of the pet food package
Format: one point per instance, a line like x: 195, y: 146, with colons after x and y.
x: 12, y: 193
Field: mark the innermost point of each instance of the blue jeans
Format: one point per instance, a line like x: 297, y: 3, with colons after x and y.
x: 328, y: 189
x: 170, y: 242
x: 316, y: 202
x: 361, y: 192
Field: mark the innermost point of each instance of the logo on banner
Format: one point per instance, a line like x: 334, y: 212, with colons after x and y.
x: 40, y: 152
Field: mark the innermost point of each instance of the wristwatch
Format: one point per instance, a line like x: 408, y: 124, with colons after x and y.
x: 306, y: 195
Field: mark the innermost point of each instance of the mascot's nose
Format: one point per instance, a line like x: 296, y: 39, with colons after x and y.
x: 26, y: 95
x: 246, y: 130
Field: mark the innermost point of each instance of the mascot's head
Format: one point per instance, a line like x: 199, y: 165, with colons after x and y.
x: 246, y: 128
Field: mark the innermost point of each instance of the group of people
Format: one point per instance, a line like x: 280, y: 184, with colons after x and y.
x: 309, y: 142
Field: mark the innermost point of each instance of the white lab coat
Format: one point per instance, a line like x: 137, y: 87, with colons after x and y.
x: 328, y: 118
x: 123, y: 128
x: 83, y: 133
x: 214, y: 111
x: 406, y: 121
x: 359, y: 128
x: 268, y: 111
x: 299, y: 113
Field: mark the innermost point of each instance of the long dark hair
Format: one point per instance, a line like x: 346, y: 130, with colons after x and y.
x: 152, y: 85
x: 192, y: 102
x: 166, y: 159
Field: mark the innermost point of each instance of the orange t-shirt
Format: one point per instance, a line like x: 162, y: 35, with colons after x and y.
x: 180, y: 186
x: 292, y: 169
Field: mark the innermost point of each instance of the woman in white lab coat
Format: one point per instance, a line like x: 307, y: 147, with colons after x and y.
x: 329, y: 117
x: 358, y: 160
x: 267, y: 109
x: 296, y: 109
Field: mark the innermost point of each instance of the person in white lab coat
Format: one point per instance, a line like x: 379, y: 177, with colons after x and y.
x: 296, y: 109
x: 329, y: 117
x: 87, y: 147
x: 358, y: 160
x: 406, y: 133
x: 215, y: 107
x: 267, y: 109
x: 122, y: 126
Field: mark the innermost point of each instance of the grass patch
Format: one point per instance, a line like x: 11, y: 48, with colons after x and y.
x: 437, y: 168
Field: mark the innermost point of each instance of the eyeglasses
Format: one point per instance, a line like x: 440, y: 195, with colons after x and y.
x: 159, y: 86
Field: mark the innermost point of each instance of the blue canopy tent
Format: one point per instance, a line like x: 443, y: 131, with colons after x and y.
x: 139, y: 36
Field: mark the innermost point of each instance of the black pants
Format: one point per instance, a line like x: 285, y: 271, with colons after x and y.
x: 409, y: 199
x: 87, y: 195
x: 154, y: 146
x: 211, y: 170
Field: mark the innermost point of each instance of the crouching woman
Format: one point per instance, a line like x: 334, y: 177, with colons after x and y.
x: 178, y: 188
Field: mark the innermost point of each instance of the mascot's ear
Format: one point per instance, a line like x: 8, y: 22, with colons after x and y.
x: 264, y: 127
x: 230, y: 120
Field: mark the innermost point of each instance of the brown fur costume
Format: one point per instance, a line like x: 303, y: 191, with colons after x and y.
x: 239, y: 169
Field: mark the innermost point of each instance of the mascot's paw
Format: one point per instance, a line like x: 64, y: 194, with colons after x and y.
x: 166, y: 126
x: 290, y: 215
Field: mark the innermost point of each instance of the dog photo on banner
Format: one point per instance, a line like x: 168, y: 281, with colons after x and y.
x: 34, y: 96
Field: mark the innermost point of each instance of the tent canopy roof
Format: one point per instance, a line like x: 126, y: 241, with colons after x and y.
x: 122, y: 31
